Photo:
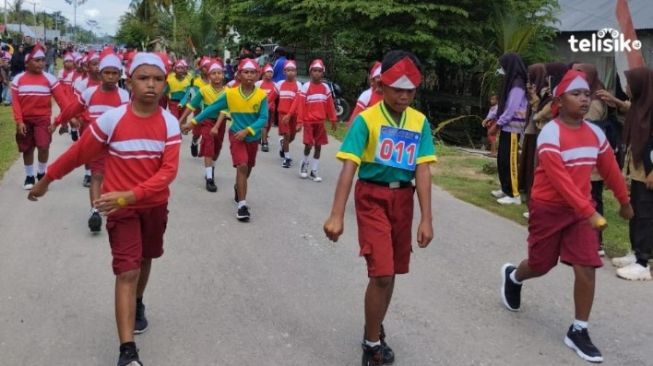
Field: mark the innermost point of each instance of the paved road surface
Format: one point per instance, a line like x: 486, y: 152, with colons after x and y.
x: 276, y: 292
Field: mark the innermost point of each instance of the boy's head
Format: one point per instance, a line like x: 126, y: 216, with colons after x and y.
x: 109, y: 67
x: 181, y: 68
x: 68, y: 61
x: 290, y: 70
x: 35, y: 59
x: 268, y: 71
x: 571, y: 97
x: 494, y: 100
x: 247, y: 72
x: 375, y: 75
x: 316, y: 70
x: 216, y: 73
x: 401, y: 74
x: 93, y: 63
x: 205, y: 62
x: 147, y: 77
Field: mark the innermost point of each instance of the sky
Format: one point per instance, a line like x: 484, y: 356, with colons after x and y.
x: 105, y: 12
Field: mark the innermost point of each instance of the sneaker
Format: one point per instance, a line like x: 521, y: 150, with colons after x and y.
x: 74, y: 135
x: 87, y: 181
x: 62, y: 130
x: 388, y: 353
x: 510, y: 291
x: 526, y: 215
x: 194, y: 149
x: 579, y: 341
x: 303, y: 170
x: 601, y: 250
x: 314, y: 176
x: 281, y: 153
x: 634, y: 272
x: 509, y: 200
x: 29, y: 182
x: 129, y: 357
x: 95, y: 222
x: 286, y: 163
x: 210, y: 185
x: 624, y: 261
x: 372, y: 356
x: 40, y: 176
x: 265, y: 147
x: 498, y: 193
x: 243, y: 214
x: 140, y: 325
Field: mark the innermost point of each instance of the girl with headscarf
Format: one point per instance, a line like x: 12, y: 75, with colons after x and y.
x: 512, y: 120
x: 537, y: 87
x: 554, y: 73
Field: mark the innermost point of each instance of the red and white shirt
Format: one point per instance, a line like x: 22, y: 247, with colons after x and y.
x: 287, y: 94
x: 93, y: 102
x: 143, y: 153
x: 272, y: 92
x: 32, y: 95
x: 84, y: 83
x: 367, y: 99
x: 66, y: 76
x: 315, y: 104
x: 567, y: 156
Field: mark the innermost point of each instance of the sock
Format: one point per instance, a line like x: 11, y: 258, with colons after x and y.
x: 305, y: 159
x: 372, y: 344
x: 242, y: 203
x: 139, y: 300
x: 194, y: 142
x: 208, y: 172
x: 94, y: 210
x: 580, y: 325
x: 87, y: 172
x: 128, y: 346
x: 316, y: 164
x: 29, y: 170
x: 286, y: 154
x: 642, y: 262
x: 513, y: 277
x: 41, y: 167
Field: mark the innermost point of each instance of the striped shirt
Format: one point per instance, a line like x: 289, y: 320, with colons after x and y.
x: 287, y: 94
x: 32, y: 95
x: 315, y: 104
x: 93, y: 102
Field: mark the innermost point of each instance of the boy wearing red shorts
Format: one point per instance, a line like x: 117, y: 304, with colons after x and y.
x: 270, y: 88
x: 288, y: 91
x: 143, y: 142
x: 31, y: 93
x: 390, y: 144
x: 563, y: 223
x: 314, y: 106
x: 177, y: 84
x: 370, y: 96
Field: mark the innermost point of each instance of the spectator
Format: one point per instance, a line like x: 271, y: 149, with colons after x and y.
x: 280, y: 57
x: 18, y: 61
x: 50, y: 57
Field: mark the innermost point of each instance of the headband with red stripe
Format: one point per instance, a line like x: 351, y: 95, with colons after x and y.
x: 573, y: 80
x: 375, y: 71
x: 402, y: 75
x: 290, y: 64
x: 108, y: 58
x: 317, y: 64
x: 247, y: 64
x: 147, y: 58
x: 267, y: 68
x: 37, y: 52
x: 215, y: 66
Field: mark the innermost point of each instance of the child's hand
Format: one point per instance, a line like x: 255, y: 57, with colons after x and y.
x: 484, y: 123
x: 598, y: 222
x: 240, y: 135
x: 186, y: 127
x: 39, y: 189
x: 333, y: 228
x: 424, y: 233
x: 649, y: 181
x: 626, y: 211
x: 52, y: 128
x: 75, y: 122
x: 608, y: 98
x: 21, y: 129
x: 111, y: 202
x: 286, y: 119
x: 214, y: 130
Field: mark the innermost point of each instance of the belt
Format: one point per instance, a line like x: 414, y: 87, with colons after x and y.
x: 391, y: 185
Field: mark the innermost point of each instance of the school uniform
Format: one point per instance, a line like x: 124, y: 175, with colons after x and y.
x: 210, y: 145
x: 315, y: 106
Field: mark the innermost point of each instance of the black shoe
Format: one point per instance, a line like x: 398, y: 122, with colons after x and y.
x: 95, y: 222
x: 210, y: 185
x: 287, y: 163
x: 579, y: 341
x: 87, y: 181
x: 29, y: 182
x: 40, y: 176
x: 62, y: 130
x: 388, y: 353
x: 372, y: 356
x: 140, y: 326
x: 510, y: 291
x: 74, y: 134
x: 243, y: 214
x: 265, y: 147
x: 129, y: 355
x: 194, y: 149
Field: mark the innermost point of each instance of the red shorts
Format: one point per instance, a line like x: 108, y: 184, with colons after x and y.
x: 197, y: 131
x: 287, y: 129
x: 135, y: 234
x: 556, y: 231
x: 211, y: 145
x: 173, y: 108
x: 315, y: 134
x: 242, y: 152
x: 97, y: 166
x: 37, y: 135
x: 385, y: 220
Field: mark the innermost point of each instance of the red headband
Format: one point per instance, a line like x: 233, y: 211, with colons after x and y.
x: 402, y: 75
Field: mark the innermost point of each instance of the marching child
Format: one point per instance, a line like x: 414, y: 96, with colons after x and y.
x: 200, y: 80
x: 288, y: 90
x: 270, y: 89
x: 563, y: 222
x: 370, y: 96
x: 177, y: 84
x: 66, y: 77
x: 248, y: 107
x: 31, y: 93
x: 143, y: 142
x: 315, y: 105
x: 384, y: 191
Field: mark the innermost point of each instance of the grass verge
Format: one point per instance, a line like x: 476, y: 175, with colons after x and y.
x: 8, y: 150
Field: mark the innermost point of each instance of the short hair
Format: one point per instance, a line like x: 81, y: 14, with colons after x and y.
x: 392, y: 57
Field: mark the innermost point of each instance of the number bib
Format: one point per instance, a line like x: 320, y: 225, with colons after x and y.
x: 397, y: 148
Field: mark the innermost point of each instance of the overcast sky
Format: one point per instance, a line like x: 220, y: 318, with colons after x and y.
x: 106, y: 12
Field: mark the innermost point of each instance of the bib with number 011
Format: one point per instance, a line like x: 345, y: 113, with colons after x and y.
x: 397, y: 148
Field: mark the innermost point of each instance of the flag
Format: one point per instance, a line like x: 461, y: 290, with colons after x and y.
x: 626, y: 60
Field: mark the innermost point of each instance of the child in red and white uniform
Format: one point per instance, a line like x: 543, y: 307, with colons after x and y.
x: 92, y: 103
x: 288, y: 91
x: 66, y: 74
x: 142, y: 140
x: 563, y: 223
x: 370, y: 96
x: 270, y: 89
x: 32, y: 93
x: 315, y: 105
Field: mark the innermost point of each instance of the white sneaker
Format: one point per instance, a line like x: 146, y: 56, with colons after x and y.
x: 315, y: 177
x: 526, y: 215
x: 498, y: 193
x: 634, y: 272
x: 624, y: 261
x: 303, y: 170
x: 507, y: 200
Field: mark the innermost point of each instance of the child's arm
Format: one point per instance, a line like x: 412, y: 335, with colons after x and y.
x: 218, y: 123
x: 609, y: 169
x: 423, y: 188
x: 166, y: 173
x: 331, y: 111
x: 334, y: 226
x: 73, y: 109
x: 192, y: 106
x: 17, y: 109
x: 515, y: 97
x: 219, y: 105
x: 260, y: 121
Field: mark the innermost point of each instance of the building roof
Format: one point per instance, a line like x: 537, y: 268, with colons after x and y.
x: 592, y: 15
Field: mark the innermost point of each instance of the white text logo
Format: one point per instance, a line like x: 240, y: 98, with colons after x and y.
x: 605, y: 40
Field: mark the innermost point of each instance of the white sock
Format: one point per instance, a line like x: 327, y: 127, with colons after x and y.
x: 372, y: 344
x: 73, y: 129
x: 41, y: 167
x: 580, y: 325
x: 29, y: 170
x: 513, y: 277
x: 87, y: 172
x: 316, y: 164
x: 242, y: 203
x: 305, y: 160
x: 209, y: 172
x: 286, y: 154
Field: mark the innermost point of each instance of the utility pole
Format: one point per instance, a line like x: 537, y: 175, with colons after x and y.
x: 5, y: 13
x: 75, y: 3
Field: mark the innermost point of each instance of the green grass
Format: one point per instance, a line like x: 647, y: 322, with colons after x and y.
x: 8, y: 149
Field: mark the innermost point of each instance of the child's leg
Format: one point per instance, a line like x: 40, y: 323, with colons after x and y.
x: 95, y: 189
x: 318, y: 150
x: 125, y: 300
x: 264, y: 135
x: 583, y: 291
x: 28, y: 158
x: 43, y: 155
x: 525, y: 272
x: 377, y: 299
x: 242, y: 173
x: 307, y: 151
x: 286, y: 142
x: 208, y: 166
x: 146, y: 266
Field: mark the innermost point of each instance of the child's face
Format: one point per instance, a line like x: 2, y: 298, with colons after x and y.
x: 494, y: 100
x: 248, y: 77
x: 316, y: 74
x: 68, y: 65
x: 181, y: 71
x: 575, y: 103
x: 216, y: 76
x: 147, y: 84
x: 110, y: 77
x: 36, y: 65
x: 93, y: 67
x: 267, y: 75
x: 291, y: 74
x: 398, y: 99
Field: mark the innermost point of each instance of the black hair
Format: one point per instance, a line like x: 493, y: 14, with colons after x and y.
x: 392, y: 57
x: 280, y: 51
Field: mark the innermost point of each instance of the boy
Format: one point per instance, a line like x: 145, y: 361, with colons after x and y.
x: 177, y: 83
x: 248, y: 107
x: 315, y: 104
x: 370, y: 96
x: 270, y: 89
x: 93, y: 102
x: 288, y: 90
x: 143, y: 143
x: 32, y: 91
x: 66, y: 76
x: 211, y: 144
x: 563, y: 221
x: 200, y: 80
x: 390, y: 144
